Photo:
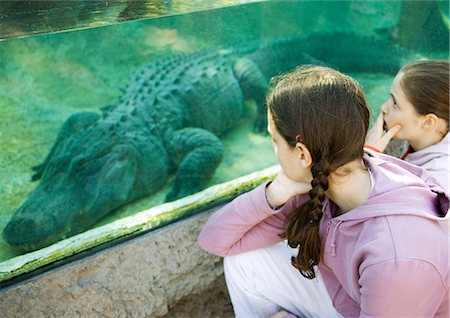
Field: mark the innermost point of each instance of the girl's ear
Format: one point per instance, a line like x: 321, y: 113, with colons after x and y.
x: 304, y: 155
x: 430, y: 121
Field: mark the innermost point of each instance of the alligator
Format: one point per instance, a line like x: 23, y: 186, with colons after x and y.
x: 168, y: 122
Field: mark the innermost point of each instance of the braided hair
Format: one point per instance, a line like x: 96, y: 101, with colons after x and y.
x: 329, y: 111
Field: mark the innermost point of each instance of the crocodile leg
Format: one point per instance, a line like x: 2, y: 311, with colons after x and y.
x: 199, y: 153
x: 254, y: 86
x: 76, y: 122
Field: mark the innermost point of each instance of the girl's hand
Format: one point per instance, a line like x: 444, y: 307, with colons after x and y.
x: 376, y: 137
x: 283, y: 188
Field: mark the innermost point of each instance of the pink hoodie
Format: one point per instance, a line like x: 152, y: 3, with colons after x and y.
x: 388, y: 257
x: 436, y: 160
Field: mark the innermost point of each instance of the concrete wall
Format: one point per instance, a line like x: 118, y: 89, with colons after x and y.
x: 161, y: 273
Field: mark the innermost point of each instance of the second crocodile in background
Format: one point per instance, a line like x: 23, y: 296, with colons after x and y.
x: 168, y: 121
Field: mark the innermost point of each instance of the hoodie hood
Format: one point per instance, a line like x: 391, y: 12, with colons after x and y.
x: 436, y: 160
x: 422, y: 157
x: 400, y: 188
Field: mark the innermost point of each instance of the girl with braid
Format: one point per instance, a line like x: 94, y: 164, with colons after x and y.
x: 417, y: 111
x: 338, y: 232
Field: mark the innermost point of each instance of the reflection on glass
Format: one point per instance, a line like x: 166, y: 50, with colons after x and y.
x: 24, y: 18
x: 120, y: 118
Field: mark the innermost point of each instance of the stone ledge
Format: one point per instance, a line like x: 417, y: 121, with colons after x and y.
x: 143, y: 277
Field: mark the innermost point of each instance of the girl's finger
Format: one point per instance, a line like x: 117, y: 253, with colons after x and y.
x: 379, y: 121
x: 392, y: 132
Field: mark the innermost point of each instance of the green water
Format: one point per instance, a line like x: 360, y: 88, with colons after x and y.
x: 44, y: 79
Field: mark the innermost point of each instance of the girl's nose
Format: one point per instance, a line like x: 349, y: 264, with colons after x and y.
x: 385, y: 107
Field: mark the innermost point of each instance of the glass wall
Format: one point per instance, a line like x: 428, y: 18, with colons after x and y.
x: 120, y: 118
x: 24, y: 18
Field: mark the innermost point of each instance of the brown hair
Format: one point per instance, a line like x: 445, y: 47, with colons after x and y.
x: 426, y: 85
x: 328, y: 110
